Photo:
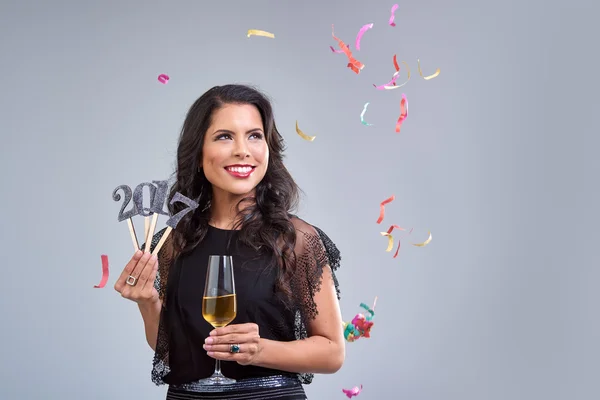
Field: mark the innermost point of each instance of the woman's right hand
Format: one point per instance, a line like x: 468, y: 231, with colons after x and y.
x: 136, y: 282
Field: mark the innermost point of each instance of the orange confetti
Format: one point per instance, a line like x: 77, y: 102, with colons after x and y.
x: 353, y: 63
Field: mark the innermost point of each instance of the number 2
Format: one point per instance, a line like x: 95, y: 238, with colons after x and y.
x: 128, y: 195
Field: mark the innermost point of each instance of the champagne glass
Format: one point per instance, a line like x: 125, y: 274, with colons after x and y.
x: 219, y: 306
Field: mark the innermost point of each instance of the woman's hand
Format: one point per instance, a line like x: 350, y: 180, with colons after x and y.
x: 136, y: 282
x: 223, y: 343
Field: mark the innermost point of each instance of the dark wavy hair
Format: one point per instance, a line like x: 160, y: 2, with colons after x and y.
x: 264, y: 219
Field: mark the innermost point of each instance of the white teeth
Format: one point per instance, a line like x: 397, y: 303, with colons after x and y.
x: 240, y: 170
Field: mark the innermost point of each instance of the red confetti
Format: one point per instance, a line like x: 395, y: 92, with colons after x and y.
x: 397, y: 250
x: 403, y: 112
x: 394, y: 227
x: 382, y: 208
x: 104, y: 272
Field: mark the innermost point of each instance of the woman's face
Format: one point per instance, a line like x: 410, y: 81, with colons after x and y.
x: 235, y: 154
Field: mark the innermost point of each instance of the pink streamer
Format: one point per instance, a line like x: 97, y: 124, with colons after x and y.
x: 390, y: 85
x: 394, y: 8
x: 104, y: 272
x: 355, y: 391
x: 361, y: 33
x: 163, y: 78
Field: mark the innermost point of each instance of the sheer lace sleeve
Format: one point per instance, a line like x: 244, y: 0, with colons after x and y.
x: 160, y: 362
x: 165, y: 258
x: 314, y: 251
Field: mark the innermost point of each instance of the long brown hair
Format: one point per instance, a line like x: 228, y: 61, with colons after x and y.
x: 264, y: 219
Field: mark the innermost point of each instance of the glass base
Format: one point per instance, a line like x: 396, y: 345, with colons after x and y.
x: 216, y: 379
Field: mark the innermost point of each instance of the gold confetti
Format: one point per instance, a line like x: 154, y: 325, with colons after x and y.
x: 258, y: 32
x: 304, y: 135
x: 436, y: 73
x: 390, y: 241
x: 425, y: 243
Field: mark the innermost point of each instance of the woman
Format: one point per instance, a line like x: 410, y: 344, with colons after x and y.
x: 288, y: 324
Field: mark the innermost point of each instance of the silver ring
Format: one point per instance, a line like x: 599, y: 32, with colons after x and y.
x: 234, y: 348
x: 131, y: 280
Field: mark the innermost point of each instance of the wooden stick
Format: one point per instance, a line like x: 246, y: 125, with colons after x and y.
x: 162, y: 240
x: 146, y: 225
x: 151, y: 232
x: 136, y: 245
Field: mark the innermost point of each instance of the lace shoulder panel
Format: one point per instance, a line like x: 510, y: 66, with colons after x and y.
x: 314, y: 251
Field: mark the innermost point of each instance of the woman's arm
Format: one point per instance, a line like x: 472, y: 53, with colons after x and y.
x: 151, y: 316
x: 323, y: 351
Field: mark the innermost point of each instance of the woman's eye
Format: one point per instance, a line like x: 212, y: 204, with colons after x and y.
x: 224, y: 136
x: 257, y: 135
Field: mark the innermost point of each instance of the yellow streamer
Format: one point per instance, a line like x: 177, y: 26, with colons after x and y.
x: 390, y: 241
x: 436, y: 73
x: 304, y: 135
x: 257, y: 32
x: 425, y: 243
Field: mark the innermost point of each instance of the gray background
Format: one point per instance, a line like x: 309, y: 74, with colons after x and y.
x: 496, y: 158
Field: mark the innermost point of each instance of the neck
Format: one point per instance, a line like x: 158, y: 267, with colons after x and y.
x: 223, y: 209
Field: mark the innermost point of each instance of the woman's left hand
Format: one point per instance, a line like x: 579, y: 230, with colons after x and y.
x: 237, y: 342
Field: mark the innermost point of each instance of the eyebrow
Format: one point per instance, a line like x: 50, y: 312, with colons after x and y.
x: 233, y: 133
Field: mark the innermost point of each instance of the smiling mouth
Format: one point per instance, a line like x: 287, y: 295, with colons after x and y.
x: 240, y: 171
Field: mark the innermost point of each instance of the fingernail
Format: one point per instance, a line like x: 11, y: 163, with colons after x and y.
x: 138, y: 253
x: 208, y: 340
x: 154, y: 257
x: 212, y: 333
x: 210, y: 353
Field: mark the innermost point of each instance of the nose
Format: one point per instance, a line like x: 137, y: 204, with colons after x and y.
x: 241, y: 150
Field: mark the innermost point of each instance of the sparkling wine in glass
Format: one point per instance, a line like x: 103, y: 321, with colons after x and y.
x: 219, y: 306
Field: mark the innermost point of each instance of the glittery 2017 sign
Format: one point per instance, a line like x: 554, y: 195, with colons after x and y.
x: 158, y: 193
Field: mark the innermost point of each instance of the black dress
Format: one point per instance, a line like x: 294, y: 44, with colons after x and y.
x: 180, y: 360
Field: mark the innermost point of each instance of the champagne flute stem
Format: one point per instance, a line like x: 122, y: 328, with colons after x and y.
x: 217, y: 367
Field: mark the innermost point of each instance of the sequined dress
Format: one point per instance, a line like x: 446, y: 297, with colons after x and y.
x: 180, y: 360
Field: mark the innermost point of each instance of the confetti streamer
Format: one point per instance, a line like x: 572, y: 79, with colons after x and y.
x: 337, y: 51
x: 394, y: 227
x: 355, y: 391
x: 163, y: 78
x: 362, y: 115
x: 425, y: 243
x: 303, y: 135
x: 392, y: 84
x: 382, y: 208
x: 394, y: 8
x: 258, y: 32
x: 403, y: 112
x: 436, y: 73
x: 361, y: 32
x: 104, y: 272
x: 360, y: 326
x: 397, y: 250
x: 353, y: 63
x: 390, y: 241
